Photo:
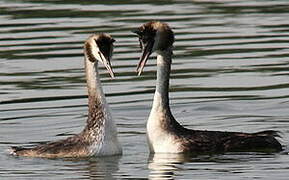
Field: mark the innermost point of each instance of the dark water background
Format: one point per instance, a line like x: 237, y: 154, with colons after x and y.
x: 230, y: 72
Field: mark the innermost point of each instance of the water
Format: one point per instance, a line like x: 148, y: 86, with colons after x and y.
x: 230, y: 72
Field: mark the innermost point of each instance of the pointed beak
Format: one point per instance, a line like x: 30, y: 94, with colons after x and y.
x: 146, y: 52
x: 106, y: 62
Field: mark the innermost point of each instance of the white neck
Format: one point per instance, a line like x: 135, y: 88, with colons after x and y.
x: 96, y: 97
x: 161, y: 97
x: 161, y: 115
x: 161, y: 124
x: 100, y: 127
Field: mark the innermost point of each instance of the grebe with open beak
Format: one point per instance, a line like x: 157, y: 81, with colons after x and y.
x: 164, y: 133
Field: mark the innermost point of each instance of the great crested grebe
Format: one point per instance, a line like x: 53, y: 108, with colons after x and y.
x: 164, y: 133
x: 99, y: 137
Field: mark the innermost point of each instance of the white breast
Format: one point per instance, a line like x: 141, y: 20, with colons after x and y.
x: 108, y: 143
x: 159, y: 140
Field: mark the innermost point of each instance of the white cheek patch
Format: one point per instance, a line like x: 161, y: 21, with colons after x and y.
x: 95, y: 51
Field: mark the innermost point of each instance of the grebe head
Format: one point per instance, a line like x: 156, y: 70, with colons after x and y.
x: 153, y: 36
x: 99, y: 47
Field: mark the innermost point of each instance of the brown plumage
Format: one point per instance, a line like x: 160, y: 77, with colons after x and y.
x: 99, y: 136
x: 165, y: 134
x: 75, y: 146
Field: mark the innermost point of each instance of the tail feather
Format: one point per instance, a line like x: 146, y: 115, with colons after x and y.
x: 268, y: 133
x: 263, y: 141
x: 15, y: 149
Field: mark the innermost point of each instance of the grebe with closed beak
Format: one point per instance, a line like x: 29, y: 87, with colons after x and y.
x: 99, y: 137
x: 164, y: 133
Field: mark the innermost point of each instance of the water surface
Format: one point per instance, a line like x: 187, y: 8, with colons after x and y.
x: 230, y: 72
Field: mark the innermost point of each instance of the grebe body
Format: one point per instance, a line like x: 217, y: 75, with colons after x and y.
x: 99, y: 137
x: 164, y: 133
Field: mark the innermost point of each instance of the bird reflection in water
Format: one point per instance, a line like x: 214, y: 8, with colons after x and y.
x: 96, y: 167
x: 166, y: 165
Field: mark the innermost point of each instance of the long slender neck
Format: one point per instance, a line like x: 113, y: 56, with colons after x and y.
x: 97, y: 106
x: 161, y: 97
x: 161, y: 115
